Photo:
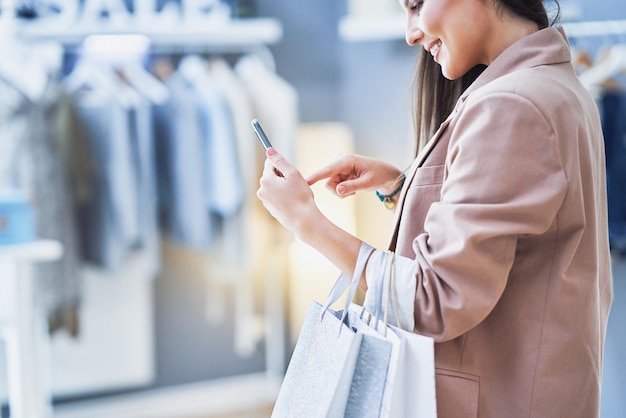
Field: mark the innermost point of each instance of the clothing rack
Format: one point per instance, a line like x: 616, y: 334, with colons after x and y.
x: 237, y: 36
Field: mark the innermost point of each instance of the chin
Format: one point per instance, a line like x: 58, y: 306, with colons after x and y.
x: 451, y: 73
x: 445, y: 70
x: 448, y: 74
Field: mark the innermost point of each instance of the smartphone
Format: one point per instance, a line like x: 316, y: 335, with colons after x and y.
x: 264, y: 141
x: 261, y: 134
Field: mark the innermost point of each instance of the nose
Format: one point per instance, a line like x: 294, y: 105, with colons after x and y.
x: 414, y: 34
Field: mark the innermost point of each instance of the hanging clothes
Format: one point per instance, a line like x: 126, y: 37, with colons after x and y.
x: 31, y: 158
x: 108, y: 216
x: 233, y: 252
x: 613, y: 117
x: 209, y: 163
x: 142, y: 143
x: 150, y: 92
x: 275, y: 103
x: 233, y: 259
x: 118, y: 213
x: 180, y: 164
x: 197, y: 157
x: 223, y: 176
x: 274, y: 100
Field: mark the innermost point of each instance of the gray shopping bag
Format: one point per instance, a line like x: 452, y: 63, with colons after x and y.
x: 370, y: 373
x: 319, y: 376
x: 339, y: 365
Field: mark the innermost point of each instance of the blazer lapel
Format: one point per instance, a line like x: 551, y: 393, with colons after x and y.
x: 419, y: 160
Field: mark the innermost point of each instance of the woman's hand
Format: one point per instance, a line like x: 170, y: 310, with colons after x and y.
x: 289, y: 198
x: 286, y: 194
x: 350, y: 173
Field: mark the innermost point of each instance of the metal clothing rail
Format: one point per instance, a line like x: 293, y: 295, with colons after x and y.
x: 237, y: 36
x: 595, y: 28
x: 236, y: 33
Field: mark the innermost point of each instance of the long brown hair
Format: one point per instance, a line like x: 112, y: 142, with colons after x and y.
x: 434, y: 96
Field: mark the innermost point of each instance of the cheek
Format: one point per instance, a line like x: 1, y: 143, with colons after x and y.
x: 424, y: 24
x: 430, y: 19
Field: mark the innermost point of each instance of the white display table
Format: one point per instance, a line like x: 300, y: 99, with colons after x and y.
x: 23, y: 330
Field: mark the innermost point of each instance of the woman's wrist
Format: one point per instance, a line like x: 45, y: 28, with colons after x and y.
x: 335, y: 243
x: 389, y: 196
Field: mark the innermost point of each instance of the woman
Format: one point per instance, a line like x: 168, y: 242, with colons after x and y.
x: 501, y: 225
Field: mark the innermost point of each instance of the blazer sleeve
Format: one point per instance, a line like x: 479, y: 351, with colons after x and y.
x: 505, y: 180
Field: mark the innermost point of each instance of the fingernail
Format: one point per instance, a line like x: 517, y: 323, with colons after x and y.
x: 271, y: 151
x: 341, y: 189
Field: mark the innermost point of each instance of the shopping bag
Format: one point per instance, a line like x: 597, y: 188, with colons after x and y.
x: 355, y: 364
x: 410, y: 384
x: 318, y: 379
x: 339, y: 366
x: 370, y: 375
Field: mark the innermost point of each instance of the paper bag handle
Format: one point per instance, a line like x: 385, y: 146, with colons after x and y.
x: 391, y: 291
x: 343, y: 282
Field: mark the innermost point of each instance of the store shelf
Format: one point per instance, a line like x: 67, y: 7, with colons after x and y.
x: 22, y: 329
x: 42, y: 250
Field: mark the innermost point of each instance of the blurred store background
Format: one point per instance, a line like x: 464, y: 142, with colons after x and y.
x: 139, y: 276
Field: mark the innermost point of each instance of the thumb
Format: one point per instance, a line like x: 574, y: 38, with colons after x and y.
x: 349, y: 187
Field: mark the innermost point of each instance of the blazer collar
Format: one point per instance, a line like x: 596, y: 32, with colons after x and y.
x: 544, y: 47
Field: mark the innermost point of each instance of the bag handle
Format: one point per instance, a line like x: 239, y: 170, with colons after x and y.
x: 381, y: 313
x: 391, y: 292
x: 344, y: 282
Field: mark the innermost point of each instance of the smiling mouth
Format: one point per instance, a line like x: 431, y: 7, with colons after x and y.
x: 433, y: 49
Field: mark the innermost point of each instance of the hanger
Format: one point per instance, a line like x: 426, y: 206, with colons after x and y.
x: 163, y: 68
x: 114, y: 63
x: 607, y: 68
x: 194, y: 68
x: 581, y: 59
x: 145, y: 83
x: 94, y: 75
x: 124, y: 55
x: 26, y: 65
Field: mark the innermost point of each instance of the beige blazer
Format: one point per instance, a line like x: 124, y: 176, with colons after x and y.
x: 505, y: 213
